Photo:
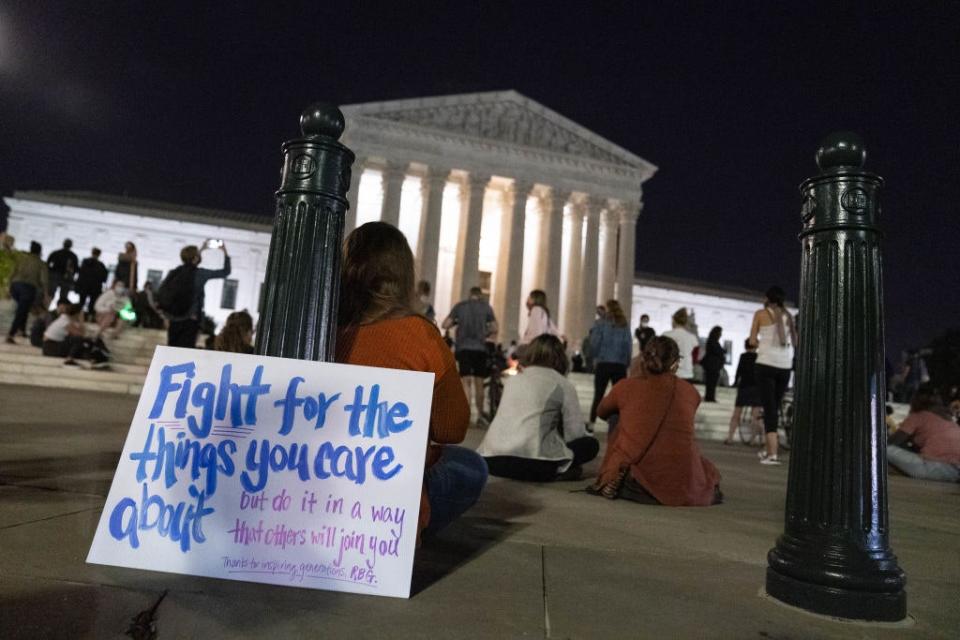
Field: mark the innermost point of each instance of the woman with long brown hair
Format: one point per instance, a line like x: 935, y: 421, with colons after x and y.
x: 237, y: 333
x: 653, y: 455
x: 611, y: 345
x: 379, y: 326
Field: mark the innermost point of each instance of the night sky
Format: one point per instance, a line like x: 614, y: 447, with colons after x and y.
x: 189, y: 104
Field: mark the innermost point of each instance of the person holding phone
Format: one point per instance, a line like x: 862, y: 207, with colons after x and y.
x: 181, y: 294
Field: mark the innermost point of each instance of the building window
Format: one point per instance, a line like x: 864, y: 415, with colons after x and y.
x: 154, y: 277
x: 228, y: 298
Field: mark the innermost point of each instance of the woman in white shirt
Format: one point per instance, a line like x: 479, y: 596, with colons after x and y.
x: 774, y: 334
x: 686, y: 343
x: 539, y: 434
x: 538, y: 318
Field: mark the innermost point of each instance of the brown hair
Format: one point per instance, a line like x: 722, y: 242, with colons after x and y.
x: 235, y: 333
x: 188, y: 253
x: 539, y: 298
x: 927, y: 398
x: 615, y: 313
x: 377, y: 281
x: 546, y: 351
x: 660, y: 354
x: 680, y: 317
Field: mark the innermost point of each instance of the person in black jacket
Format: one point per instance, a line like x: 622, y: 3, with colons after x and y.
x: 62, y: 264
x: 712, y: 363
x: 93, y: 274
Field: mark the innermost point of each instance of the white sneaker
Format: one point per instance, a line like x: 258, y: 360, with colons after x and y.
x: 762, y: 454
x: 769, y: 460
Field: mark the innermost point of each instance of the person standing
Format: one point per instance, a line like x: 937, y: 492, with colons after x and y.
x: 90, y: 279
x: 611, y: 344
x: 644, y: 332
x: 686, y: 343
x: 62, y: 264
x: 181, y: 295
x: 712, y: 363
x: 747, y: 393
x: 126, y: 270
x: 538, y: 318
x: 8, y: 260
x: 423, y: 295
x: 28, y: 284
x: 474, y: 321
x: 774, y: 334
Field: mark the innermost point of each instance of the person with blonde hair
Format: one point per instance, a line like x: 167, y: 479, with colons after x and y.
x: 379, y: 326
x: 653, y: 456
x: 686, y: 342
x: 611, y: 346
x: 538, y: 433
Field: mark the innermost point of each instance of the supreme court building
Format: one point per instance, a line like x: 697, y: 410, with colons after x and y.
x: 490, y: 189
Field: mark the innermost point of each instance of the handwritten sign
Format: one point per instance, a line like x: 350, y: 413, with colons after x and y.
x: 271, y: 470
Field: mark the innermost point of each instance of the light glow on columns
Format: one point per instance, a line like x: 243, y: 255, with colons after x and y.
x: 411, y: 211
x: 370, y: 197
x: 447, y: 254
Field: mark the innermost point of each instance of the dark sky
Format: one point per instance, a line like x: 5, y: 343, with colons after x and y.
x: 189, y: 104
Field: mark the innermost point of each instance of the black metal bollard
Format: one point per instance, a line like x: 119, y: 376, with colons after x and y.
x: 302, y: 287
x: 834, y: 556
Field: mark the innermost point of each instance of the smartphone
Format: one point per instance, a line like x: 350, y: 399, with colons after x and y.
x: 212, y: 243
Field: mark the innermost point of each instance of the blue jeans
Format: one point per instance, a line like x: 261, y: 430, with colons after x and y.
x: 24, y: 294
x: 916, y: 466
x: 454, y: 484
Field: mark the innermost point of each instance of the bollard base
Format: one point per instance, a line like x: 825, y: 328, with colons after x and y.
x: 839, y: 603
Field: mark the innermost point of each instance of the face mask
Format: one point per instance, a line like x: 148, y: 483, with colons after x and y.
x: 644, y: 323
x: 121, y: 291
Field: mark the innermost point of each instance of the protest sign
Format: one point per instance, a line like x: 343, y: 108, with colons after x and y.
x: 271, y: 470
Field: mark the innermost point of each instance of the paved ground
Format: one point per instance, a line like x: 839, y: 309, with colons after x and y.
x: 530, y: 561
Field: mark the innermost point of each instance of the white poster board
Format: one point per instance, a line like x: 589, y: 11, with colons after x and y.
x: 271, y: 470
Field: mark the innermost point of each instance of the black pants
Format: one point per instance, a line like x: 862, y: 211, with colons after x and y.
x: 772, y: 383
x: 584, y: 450
x: 604, y: 373
x: 72, y: 347
x: 24, y: 295
x: 711, y: 377
x: 88, y: 297
x: 183, y: 333
x: 59, y: 281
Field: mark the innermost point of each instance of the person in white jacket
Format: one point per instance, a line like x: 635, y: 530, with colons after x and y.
x: 108, y: 305
x: 539, y: 433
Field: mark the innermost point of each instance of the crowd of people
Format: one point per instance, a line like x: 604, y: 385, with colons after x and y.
x: 537, y: 431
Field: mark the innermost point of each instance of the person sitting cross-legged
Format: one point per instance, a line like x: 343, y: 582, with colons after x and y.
x: 935, y: 438
x: 653, y: 456
x: 379, y: 326
x: 539, y: 434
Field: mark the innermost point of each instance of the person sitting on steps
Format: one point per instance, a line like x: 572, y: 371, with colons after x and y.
x: 539, y: 434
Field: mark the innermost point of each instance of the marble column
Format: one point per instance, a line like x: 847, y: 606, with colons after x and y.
x: 626, y: 269
x: 608, y: 254
x: 507, y: 292
x: 591, y: 251
x: 551, y: 247
x: 428, y: 248
x: 573, y: 287
x: 466, y: 272
x: 394, y: 173
x: 353, y: 195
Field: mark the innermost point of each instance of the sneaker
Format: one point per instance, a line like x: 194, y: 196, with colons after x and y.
x: 10, y: 340
x: 71, y: 363
x: 770, y: 460
x: 589, y: 427
x: 762, y: 454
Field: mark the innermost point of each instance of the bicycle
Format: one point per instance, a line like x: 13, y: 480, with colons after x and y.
x: 752, y: 433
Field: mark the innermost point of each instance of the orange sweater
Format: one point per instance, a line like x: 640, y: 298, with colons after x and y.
x: 414, y: 344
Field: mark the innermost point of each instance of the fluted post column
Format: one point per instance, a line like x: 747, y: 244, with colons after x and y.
x: 834, y: 556
x: 591, y: 252
x: 428, y: 248
x: 353, y: 195
x: 506, y: 300
x: 394, y: 173
x: 302, y: 284
x: 466, y: 272
x: 551, y: 247
x: 573, y: 288
x: 626, y: 269
x: 608, y: 253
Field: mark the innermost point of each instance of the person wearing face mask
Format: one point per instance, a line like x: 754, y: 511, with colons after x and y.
x: 644, y: 332
x: 108, y: 304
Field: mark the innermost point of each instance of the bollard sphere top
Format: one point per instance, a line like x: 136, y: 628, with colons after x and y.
x: 322, y: 119
x: 841, y: 149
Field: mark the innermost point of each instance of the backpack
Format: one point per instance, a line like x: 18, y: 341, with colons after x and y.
x: 175, y: 295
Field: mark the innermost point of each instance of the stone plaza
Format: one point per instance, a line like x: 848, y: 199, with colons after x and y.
x: 528, y: 561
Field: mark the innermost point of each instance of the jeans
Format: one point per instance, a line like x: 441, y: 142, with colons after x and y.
x: 24, y: 295
x: 916, y: 466
x: 584, y: 450
x: 604, y: 374
x: 453, y: 484
x: 772, y: 383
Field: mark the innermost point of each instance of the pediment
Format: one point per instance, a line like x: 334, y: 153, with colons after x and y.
x: 504, y: 116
